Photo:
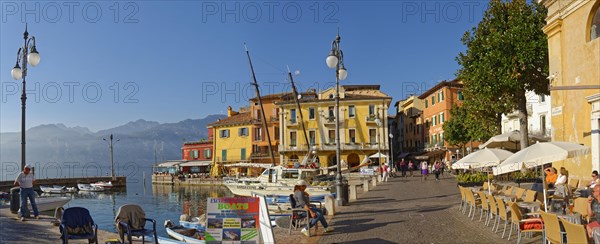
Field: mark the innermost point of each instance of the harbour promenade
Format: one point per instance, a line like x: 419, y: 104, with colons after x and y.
x: 408, y: 210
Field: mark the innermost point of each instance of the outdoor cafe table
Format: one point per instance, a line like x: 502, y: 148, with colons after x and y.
x: 530, y: 207
x: 507, y: 198
x: 571, y: 217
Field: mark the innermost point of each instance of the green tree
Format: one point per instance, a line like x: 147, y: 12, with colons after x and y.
x: 507, y: 54
x: 456, y: 129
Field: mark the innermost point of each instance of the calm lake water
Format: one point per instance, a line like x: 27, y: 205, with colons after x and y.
x: 160, y: 202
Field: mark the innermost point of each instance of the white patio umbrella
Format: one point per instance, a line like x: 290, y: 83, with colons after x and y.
x: 378, y: 155
x: 482, y: 158
x: 508, y: 140
x: 539, y: 154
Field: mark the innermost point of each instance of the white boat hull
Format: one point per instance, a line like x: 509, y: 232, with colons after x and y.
x: 88, y: 187
x: 247, y: 190
x: 48, y: 203
x: 183, y: 238
x: 53, y: 190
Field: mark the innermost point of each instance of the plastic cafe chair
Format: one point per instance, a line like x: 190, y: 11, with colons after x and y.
x: 580, y: 206
x: 473, y: 203
x: 573, y: 183
x: 530, y: 196
x: 485, y: 206
x: 299, y: 216
x: 508, y: 191
x: 576, y: 234
x: 131, y: 220
x: 583, y: 183
x: 552, y: 231
x: 77, y: 223
x: 502, y: 215
x: 519, y: 194
x: 463, y: 199
x: 523, y: 225
x: 493, y: 210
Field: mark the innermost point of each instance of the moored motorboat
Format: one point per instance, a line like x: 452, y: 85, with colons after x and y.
x: 184, y: 234
x: 48, y: 203
x: 53, y: 189
x: 88, y: 187
x: 103, y: 184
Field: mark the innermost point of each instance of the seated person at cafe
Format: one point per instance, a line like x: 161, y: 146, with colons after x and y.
x: 594, y: 181
x: 551, y: 176
x: 594, y: 210
x: 561, y: 183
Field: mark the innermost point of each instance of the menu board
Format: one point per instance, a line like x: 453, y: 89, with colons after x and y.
x: 233, y: 220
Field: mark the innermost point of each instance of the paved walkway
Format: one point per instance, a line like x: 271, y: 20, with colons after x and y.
x: 408, y: 210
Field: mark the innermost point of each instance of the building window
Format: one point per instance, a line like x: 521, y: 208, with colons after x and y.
x: 442, y: 117
x: 426, y: 104
x: 373, y: 136
x: 460, y: 96
x: 206, y: 153
x: 243, y: 131
x: 311, y: 113
x: 331, y: 136
x: 276, y: 129
x: 441, y: 96
x: 243, y: 154
x: 224, y: 155
x: 293, y: 115
x: 442, y: 137
x: 258, y: 134
x: 542, y: 98
x: 433, y: 120
x: 312, y: 137
x: 224, y: 133
x: 595, y: 28
x: 331, y: 113
x: 371, y: 109
x: 543, y: 124
x: 352, y: 135
x: 351, y: 111
x: 194, y: 154
x: 293, y: 138
x: 432, y: 100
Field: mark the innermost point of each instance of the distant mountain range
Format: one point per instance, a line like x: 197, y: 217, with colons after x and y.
x: 141, y: 142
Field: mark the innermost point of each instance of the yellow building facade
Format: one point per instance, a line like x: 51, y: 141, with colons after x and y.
x: 360, y: 135
x: 232, y: 141
x: 574, y: 52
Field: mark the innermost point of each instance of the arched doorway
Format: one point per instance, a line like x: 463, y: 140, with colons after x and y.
x: 331, y: 160
x: 353, y: 160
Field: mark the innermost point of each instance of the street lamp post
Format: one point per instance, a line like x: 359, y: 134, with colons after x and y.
x: 378, y: 122
x: 31, y: 55
x: 391, y: 148
x: 336, y: 60
x: 110, y: 148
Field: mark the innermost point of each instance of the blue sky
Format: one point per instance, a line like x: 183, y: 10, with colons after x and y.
x: 105, y: 63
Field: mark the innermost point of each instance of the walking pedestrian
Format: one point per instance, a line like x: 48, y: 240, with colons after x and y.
x: 442, y: 167
x: 424, y: 170
x: 385, y: 169
x: 25, y: 180
x: 403, y: 168
x: 411, y: 167
x: 436, y: 170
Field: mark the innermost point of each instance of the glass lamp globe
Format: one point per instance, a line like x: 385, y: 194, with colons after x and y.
x: 33, y: 58
x: 16, y: 73
x: 343, y: 73
x: 331, y: 61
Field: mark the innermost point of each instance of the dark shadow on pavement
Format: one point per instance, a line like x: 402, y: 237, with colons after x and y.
x: 370, y: 241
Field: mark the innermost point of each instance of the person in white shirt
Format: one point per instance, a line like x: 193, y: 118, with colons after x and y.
x: 594, y: 179
x: 25, y: 181
x: 561, y: 182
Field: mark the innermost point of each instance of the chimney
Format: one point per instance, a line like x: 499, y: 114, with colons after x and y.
x: 230, y: 111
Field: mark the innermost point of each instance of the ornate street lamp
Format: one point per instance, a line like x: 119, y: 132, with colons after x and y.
x: 29, y: 54
x: 336, y: 60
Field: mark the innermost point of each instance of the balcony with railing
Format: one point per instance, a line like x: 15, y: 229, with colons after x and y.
x: 371, y: 119
x: 274, y: 119
x: 329, y: 120
x: 292, y: 122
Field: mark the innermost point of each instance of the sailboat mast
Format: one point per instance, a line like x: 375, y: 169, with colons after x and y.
x: 295, y: 92
x: 262, y: 110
